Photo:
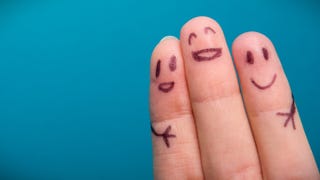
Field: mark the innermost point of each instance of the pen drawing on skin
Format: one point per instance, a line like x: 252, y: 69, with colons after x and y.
x: 289, y: 115
x: 165, y: 135
x: 166, y: 86
x: 206, y: 54
x: 250, y: 60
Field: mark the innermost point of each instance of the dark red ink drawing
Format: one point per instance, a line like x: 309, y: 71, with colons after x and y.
x: 206, y: 29
x: 165, y: 135
x: 192, y: 35
x: 166, y: 86
x: 263, y: 87
x: 289, y: 115
x: 265, y: 53
x: 207, y: 54
x: 250, y: 58
x: 158, y: 68
x: 173, y: 63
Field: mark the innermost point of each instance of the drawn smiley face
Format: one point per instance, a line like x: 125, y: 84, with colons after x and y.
x: 206, y: 54
x: 250, y: 61
x: 166, y: 86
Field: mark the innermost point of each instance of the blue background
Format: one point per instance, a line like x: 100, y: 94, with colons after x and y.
x: 74, y: 78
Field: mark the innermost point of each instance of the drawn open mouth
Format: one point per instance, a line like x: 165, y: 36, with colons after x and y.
x: 206, y: 54
x: 265, y: 86
x: 166, y: 86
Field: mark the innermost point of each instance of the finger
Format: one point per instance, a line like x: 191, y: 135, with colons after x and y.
x: 283, y: 148
x: 226, y: 143
x: 175, y: 147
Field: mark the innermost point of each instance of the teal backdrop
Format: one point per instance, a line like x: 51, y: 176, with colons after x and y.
x: 74, y: 77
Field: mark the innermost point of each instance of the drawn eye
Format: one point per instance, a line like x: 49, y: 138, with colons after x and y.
x: 206, y: 29
x: 158, y: 68
x: 192, y: 35
x: 173, y: 63
x: 250, y: 58
x: 265, y: 53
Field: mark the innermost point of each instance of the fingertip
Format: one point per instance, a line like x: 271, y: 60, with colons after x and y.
x: 167, y: 42
x: 252, y: 41
x: 250, y: 36
x: 262, y: 78
x: 197, y: 24
x: 166, y: 46
x: 199, y: 19
x: 209, y: 70
x: 168, y: 91
x: 168, y: 37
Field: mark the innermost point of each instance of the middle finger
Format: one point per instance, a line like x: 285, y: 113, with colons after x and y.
x: 226, y: 144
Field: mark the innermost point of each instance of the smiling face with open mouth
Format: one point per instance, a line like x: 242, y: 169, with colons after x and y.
x: 206, y: 54
x: 250, y: 60
x: 166, y: 86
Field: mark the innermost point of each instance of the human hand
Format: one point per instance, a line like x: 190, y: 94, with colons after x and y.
x: 203, y: 127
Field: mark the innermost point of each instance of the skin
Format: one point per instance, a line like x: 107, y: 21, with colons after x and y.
x: 173, y: 109
x: 204, y: 128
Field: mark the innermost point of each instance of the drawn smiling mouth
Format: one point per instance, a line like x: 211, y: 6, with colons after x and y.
x: 166, y: 86
x: 206, y: 54
x: 265, y: 86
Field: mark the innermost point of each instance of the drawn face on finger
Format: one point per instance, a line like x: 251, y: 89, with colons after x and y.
x: 166, y: 86
x: 205, y: 54
x: 251, y: 61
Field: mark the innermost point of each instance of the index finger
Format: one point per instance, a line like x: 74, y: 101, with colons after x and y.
x: 282, y: 145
